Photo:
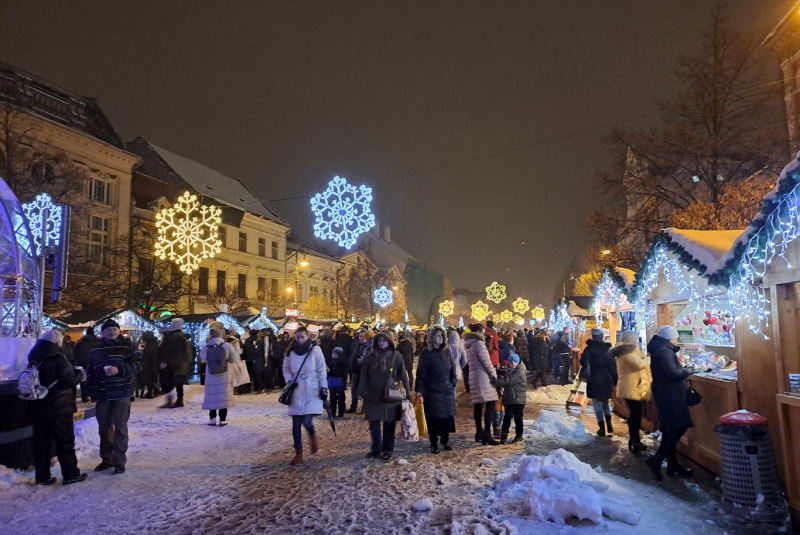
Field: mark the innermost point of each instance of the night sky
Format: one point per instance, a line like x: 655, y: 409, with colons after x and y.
x: 285, y: 95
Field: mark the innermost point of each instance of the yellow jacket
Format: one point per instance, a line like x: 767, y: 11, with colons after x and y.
x: 633, y: 368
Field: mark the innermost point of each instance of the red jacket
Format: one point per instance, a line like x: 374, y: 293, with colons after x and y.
x: 494, y: 341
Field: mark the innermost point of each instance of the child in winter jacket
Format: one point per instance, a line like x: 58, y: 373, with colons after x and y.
x: 514, y: 397
x: 337, y: 375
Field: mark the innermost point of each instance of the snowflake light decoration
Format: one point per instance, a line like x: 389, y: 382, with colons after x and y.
x: 446, y: 308
x: 34, y: 211
x: 496, y: 292
x: 480, y: 311
x: 538, y: 313
x: 383, y: 297
x: 519, y: 320
x: 521, y: 306
x: 342, y: 212
x: 497, y: 318
x: 506, y: 316
x: 188, y: 232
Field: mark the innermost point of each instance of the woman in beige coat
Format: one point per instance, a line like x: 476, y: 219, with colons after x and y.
x: 633, y: 385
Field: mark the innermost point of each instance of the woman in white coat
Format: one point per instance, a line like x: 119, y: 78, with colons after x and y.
x: 219, y: 387
x: 311, y: 389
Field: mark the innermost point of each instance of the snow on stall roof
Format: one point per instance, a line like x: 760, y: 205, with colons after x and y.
x: 214, y: 184
x: 709, y: 247
x: 627, y: 275
x: 574, y: 310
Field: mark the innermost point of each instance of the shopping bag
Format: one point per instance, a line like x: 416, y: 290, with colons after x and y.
x: 421, y: 425
x: 408, y: 424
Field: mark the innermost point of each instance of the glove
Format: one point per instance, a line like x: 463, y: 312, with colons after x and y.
x: 323, y: 393
x: 326, y: 404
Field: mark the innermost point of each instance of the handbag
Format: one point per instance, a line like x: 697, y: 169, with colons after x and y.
x: 586, y: 371
x: 394, y: 390
x: 288, y: 391
x: 693, y: 397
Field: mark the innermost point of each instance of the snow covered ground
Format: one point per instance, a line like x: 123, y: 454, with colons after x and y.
x: 185, y: 477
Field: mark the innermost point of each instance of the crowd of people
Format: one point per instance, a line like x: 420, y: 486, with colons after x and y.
x: 382, y: 368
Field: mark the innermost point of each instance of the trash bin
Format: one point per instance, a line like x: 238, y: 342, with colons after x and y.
x: 750, y: 486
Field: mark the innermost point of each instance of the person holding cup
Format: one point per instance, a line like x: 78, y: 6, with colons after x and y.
x: 113, y: 365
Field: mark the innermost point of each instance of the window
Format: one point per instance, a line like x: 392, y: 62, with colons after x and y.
x: 223, y: 236
x: 325, y: 293
x: 220, y: 283
x: 262, y: 288
x: 176, y: 277
x: 314, y: 291
x: 243, y: 242
x: 275, y: 250
x: 43, y: 173
x: 262, y: 247
x: 98, y: 240
x: 145, y: 272
x: 242, y: 286
x: 202, y: 281
x: 100, y: 191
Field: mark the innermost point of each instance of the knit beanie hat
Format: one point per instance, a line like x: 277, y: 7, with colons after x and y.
x: 668, y: 332
x: 109, y: 323
x: 515, y: 358
x: 597, y: 334
x: 338, y: 351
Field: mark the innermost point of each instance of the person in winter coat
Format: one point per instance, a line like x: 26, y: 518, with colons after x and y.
x: 563, y: 354
x: 173, y: 358
x: 506, y: 347
x: 312, y: 387
x: 51, y: 416
x: 669, y: 393
x: 113, y: 365
x: 514, y: 397
x: 80, y: 356
x: 521, y: 343
x: 250, y: 353
x: 459, y: 356
x: 633, y: 386
x: 146, y: 379
x: 539, y: 352
x: 276, y: 357
x: 379, y: 366
x: 337, y: 376
x: 493, y: 341
x: 259, y: 354
x: 218, y: 386
x: 482, y: 377
x: 356, y: 357
x: 602, y: 378
x: 406, y: 348
x: 436, y: 381
x: 326, y: 344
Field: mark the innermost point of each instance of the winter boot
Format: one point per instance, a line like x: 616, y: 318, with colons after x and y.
x: 654, y: 463
x: 178, y: 403
x: 434, y: 447
x: 674, y: 469
x: 446, y: 444
x: 76, y: 479
x: 517, y: 438
x: 167, y: 402
x: 488, y: 440
x: 103, y: 466
x: 608, y: 424
x: 602, y: 431
x: 314, y: 444
x: 478, y: 434
x: 298, y: 456
x: 504, y: 437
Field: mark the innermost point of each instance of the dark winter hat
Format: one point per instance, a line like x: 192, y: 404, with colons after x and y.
x: 109, y: 323
x: 597, y: 334
x: 89, y: 331
x: 338, y: 350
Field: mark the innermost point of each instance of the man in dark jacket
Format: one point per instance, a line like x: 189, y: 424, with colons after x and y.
x: 80, y: 356
x: 539, y: 352
x: 358, y: 347
x: 147, y: 377
x: 406, y: 348
x: 173, y: 358
x: 276, y: 357
x: 563, y: 356
x: 51, y: 416
x: 669, y: 394
x: 326, y: 344
x: 601, y: 380
x: 345, y: 341
x: 111, y: 375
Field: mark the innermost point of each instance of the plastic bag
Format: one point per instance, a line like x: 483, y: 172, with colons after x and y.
x: 421, y: 425
x: 408, y: 423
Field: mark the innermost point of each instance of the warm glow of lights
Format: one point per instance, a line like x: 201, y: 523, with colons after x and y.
x: 519, y: 320
x: 188, y: 232
x: 480, y: 311
x: 506, y: 316
x: 606, y: 252
x: 496, y: 292
x: 290, y: 289
x: 521, y: 306
x: 304, y: 262
x: 538, y: 313
x: 446, y: 308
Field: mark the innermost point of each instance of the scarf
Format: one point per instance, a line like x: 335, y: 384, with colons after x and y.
x: 302, y: 349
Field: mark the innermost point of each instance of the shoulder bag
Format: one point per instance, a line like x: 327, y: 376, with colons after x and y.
x: 394, y: 391
x: 288, y: 391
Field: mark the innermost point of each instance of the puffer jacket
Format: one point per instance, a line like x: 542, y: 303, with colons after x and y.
x: 515, y: 385
x: 506, y: 350
x: 53, y: 366
x: 306, y: 398
x: 376, y: 367
x: 493, y: 340
x: 219, y: 388
x: 481, y: 372
x: 633, y: 371
x: 602, y: 369
x: 436, y: 379
x: 669, y: 384
x: 539, y: 353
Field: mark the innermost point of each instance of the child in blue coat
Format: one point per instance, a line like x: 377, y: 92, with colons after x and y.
x: 336, y: 380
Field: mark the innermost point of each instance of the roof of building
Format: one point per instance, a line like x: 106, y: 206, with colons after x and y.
x: 707, y: 247
x: 55, y: 104
x: 214, y: 184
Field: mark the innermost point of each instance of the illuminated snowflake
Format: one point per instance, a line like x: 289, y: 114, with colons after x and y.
x: 342, y: 212
x: 496, y: 292
x: 446, y: 308
x: 506, y: 316
x: 521, y: 306
x: 497, y: 318
x: 480, y: 311
x: 188, y: 232
x: 538, y: 313
x: 34, y: 211
x: 519, y: 320
x: 383, y: 297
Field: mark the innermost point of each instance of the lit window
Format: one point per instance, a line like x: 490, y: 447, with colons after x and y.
x: 262, y: 288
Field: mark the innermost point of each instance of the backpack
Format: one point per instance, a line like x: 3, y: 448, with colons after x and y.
x: 29, y: 385
x: 215, y: 357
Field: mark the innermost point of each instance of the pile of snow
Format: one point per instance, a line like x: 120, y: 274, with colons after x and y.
x: 557, y: 427
x: 87, y: 439
x: 10, y: 477
x: 549, y: 395
x: 422, y: 505
x: 559, y: 487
